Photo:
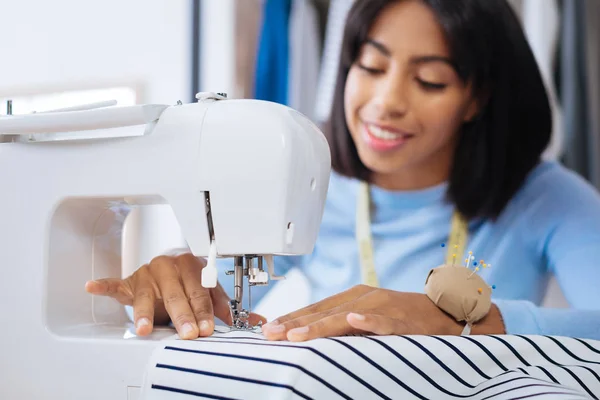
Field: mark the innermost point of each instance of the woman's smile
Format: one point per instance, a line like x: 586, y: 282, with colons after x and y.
x: 384, y: 138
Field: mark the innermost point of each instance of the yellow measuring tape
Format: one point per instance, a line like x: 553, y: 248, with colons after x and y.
x: 456, y: 241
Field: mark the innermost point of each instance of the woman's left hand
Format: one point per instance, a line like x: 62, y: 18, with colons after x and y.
x: 367, y: 310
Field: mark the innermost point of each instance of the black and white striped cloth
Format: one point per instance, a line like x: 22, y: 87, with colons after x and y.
x: 243, y: 365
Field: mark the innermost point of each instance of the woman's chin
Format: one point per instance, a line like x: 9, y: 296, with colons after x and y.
x: 378, y: 163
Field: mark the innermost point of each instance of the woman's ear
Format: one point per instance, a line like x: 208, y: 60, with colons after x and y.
x: 475, y: 106
x: 472, y: 110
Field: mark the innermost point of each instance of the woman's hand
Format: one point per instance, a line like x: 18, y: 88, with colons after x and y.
x: 170, y: 289
x: 367, y: 310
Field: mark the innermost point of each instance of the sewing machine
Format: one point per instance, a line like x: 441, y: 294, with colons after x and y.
x: 246, y: 180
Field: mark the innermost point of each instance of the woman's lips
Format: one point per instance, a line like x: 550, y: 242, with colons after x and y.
x: 380, y: 138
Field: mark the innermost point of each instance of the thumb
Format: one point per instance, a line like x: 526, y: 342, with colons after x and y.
x: 111, y: 287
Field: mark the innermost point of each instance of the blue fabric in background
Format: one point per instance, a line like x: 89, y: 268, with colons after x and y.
x: 272, y: 59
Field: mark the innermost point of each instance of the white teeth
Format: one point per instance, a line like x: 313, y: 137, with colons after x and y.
x: 382, y: 133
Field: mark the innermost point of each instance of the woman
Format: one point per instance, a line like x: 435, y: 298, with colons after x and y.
x: 441, y: 109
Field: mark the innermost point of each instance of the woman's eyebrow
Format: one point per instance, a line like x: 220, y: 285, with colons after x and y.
x: 379, y: 46
x: 422, y: 59
x: 432, y: 59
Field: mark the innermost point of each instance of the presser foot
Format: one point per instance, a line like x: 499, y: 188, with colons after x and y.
x: 256, y: 277
x: 239, y: 318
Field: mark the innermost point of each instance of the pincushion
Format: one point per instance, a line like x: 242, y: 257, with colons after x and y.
x: 460, y: 292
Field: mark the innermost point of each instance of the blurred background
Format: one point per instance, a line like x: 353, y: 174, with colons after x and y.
x: 66, y: 52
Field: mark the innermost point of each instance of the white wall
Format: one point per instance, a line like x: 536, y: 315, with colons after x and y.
x: 72, y: 44
x: 217, y: 32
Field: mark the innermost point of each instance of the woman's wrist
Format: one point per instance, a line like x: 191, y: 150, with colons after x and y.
x: 491, y: 324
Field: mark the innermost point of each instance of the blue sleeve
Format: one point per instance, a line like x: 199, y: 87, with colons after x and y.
x: 570, y: 214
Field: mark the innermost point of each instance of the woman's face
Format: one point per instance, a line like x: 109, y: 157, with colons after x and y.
x: 404, y: 103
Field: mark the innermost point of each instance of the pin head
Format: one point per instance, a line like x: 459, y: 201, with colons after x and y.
x: 480, y: 290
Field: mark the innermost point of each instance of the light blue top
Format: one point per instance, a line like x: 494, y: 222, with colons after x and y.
x: 551, y: 226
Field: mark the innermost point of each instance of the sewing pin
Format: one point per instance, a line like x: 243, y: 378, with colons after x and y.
x: 475, y: 270
x: 468, y: 260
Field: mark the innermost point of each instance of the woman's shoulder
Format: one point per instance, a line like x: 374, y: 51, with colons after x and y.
x: 553, y: 178
x: 552, y: 186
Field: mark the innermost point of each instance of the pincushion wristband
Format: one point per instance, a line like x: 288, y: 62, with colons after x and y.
x: 460, y: 292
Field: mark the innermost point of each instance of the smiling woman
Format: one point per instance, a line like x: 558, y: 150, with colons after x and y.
x: 404, y: 100
x: 432, y: 91
x: 439, y: 121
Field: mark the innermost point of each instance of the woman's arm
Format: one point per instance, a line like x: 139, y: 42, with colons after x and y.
x: 564, y: 216
x: 578, y: 273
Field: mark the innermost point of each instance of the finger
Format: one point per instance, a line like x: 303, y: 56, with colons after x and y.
x: 332, y: 325
x: 144, y: 302
x: 199, y: 297
x: 118, y: 289
x: 378, y: 324
x: 279, y: 331
x: 326, y: 304
x: 165, y: 274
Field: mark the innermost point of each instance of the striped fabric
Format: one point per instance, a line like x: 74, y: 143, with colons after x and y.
x: 242, y: 365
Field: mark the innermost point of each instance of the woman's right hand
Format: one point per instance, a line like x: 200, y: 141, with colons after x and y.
x: 170, y: 289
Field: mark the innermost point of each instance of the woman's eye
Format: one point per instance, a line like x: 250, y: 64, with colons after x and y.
x: 431, y: 85
x: 370, y: 70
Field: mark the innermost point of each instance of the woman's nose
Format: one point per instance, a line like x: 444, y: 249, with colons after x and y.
x: 392, y: 97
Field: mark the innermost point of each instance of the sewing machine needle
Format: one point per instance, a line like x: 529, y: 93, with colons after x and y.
x: 249, y: 298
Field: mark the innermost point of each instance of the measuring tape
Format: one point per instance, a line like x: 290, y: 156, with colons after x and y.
x: 456, y: 242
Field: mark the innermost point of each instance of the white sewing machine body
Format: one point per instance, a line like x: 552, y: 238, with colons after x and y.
x: 261, y: 167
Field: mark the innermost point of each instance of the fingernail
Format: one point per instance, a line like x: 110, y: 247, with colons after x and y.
x: 88, y: 283
x: 186, y: 329
x: 298, y: 331
x: 274, y: 329
x: 359, y: 317
x: 142, y: 322
x: 271, y: 324
x: 205, y: 327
